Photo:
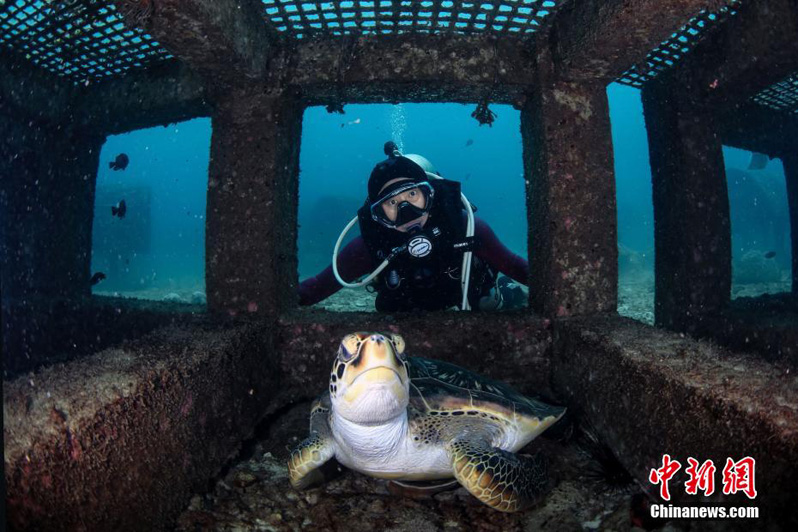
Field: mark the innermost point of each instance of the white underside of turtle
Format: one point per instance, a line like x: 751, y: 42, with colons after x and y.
x: 409, y: 418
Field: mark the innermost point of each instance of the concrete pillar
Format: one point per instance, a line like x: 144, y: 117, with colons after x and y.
x: 791, y: 176
x: 691, y: 211
x: 46, y: 212
x: 47, y: 202
x: 571, y: 204
x: 252, y: 202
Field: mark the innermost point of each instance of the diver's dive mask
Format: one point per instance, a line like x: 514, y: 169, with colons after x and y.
x: 405, y: 210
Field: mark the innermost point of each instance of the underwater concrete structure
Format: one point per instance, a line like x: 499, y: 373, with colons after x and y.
x: 116, y: 412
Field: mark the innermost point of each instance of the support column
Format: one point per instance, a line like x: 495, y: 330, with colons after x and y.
x: 568, y: 164
x: 47, y: 198
x: 791, y: 176
x: 692, y: 234
x: 252, y: 202
x: 46, y: 212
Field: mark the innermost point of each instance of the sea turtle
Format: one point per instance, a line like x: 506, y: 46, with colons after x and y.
x: 404, y: 418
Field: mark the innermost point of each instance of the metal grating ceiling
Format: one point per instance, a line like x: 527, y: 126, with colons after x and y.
x: 680, y: 44
x: 83, y: 40
x: 506, y: 17
x: 783, y: 96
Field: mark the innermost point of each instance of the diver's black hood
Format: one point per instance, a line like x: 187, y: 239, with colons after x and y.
x: 393, y: 168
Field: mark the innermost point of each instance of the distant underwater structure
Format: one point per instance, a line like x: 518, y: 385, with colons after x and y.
x: 149, y: 401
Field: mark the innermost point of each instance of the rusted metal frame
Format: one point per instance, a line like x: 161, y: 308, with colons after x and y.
x: 428, y: 68
x: 225, y: 41
x: 161, y: 95
x: 752, y: 50
x: 600, y: 39
x: 757, y: 128
x: 33, y: 92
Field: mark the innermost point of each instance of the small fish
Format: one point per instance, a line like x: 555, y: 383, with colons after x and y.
x: 96, y: 278
x: 770, y: 254
x: 758, y: 161
x: 467, y: 177
x: 353, y: 122
x: 714, y: 84
x: 120, y: 209
x: 120, y: 162
x: 469, y: 142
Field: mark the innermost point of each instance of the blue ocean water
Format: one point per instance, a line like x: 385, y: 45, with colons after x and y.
x: 158, y: 248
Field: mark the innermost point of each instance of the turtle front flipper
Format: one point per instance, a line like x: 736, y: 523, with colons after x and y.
x: 505, y: 481
x: 315, y: 450
x: 307, y: 458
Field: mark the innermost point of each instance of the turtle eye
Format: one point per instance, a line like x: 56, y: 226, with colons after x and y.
x: 398, y: 345
x: 344, y: 355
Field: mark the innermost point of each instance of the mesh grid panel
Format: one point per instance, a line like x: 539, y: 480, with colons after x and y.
x: 82, y: 40
x: 670, y: 52
x: 304, y: 19
x: 783, y: 96
x: 85, y: 40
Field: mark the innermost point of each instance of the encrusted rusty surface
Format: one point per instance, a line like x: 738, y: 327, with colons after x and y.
x: 251, y: 257
x: 28, y: 92
x: 650, y: 392
x: 570, y: 199
x: 507, y: 346
x: 157, y: 96
x: 38, y: 331
x: 692, y: 231
x: 754, y: 127
x: 766, y: 326
x: 119, y: 440
x: 46, y: 193
x: 223, y: 40
x: 600, y: 39
x: 424, y: 68
x: 751, y: 51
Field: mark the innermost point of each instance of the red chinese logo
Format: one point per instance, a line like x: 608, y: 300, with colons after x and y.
x: 739, y: 476
x: 663, y: 475
x: 701, y: 478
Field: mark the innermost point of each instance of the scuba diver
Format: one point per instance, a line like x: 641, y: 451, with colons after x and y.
x: 421, y: 247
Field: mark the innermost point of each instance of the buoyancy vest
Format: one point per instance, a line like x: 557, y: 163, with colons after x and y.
x: 432, y: 281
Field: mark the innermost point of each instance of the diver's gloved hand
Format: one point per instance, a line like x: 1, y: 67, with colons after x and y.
x: 514, y: 295
x: 492, y: 301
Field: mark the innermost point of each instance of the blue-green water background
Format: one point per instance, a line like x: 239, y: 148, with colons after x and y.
x: 159, y: 247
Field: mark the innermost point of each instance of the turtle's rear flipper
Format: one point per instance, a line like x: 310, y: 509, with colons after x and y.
x: 505, y: 481
x: 307, y: 458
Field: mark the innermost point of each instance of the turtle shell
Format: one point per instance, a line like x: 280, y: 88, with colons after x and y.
x: 441, y: 386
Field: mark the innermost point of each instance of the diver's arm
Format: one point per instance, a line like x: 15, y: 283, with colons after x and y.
x: 353, y: 261
x: 496, y: 254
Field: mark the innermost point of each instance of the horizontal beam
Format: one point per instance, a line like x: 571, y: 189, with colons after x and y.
x: 30, y: 92
x: 222, y: 40
x: 153, y: 97
x: 649, y: 392
x: 600, y: 39
x: 421, y: 68
x: 510, y: 346
x: 181, y: 399
x: 753, y: 49
x: 757, y: 128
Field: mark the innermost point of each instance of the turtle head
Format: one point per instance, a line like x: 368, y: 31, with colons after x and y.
x: 369, y: 382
